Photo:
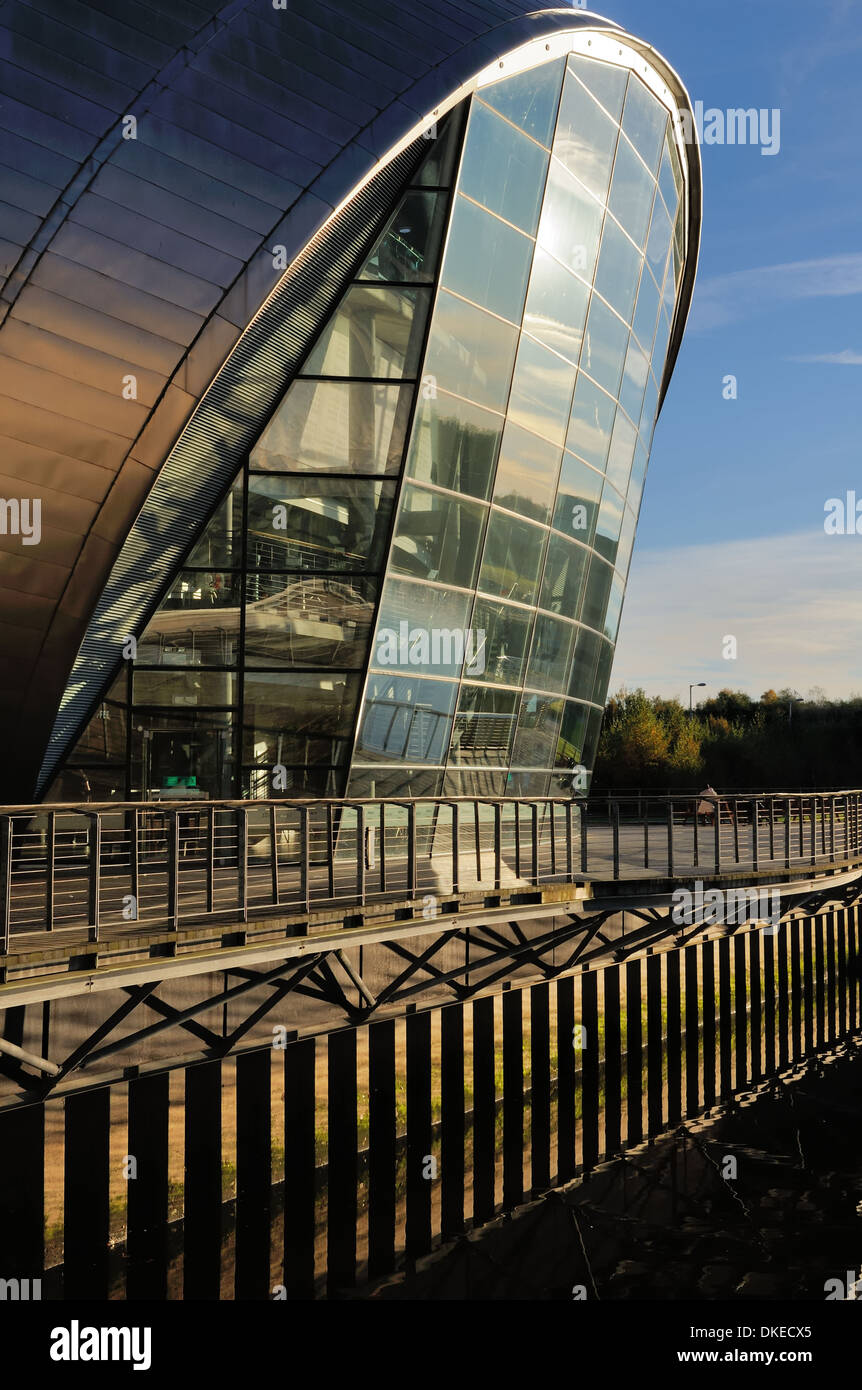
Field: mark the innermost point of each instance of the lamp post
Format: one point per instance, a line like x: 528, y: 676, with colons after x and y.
x: 695, y: 686
x: 797, y: 700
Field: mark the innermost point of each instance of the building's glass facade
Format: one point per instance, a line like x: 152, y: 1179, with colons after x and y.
x: 415, y: 584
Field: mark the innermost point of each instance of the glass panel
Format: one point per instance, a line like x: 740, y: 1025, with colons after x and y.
x: 316, y: 781
x: 604, y: 666
x: 503, y: 169
x: 170, y: 686
x: 375, y: 332
x: 577, y: 499
x: 538, y: 730
x: 596, y: 593
x: 553, y: 641
x: 571, y: 222
x: 484, y: 726
x: 506, y: 632
x: 573, y: 734
x: 221, y: 543
x: 197, y: 622
x: 586, y: 138
x: 409, y: 248
x: 605, y: 344
x: 584, y: 665
x: 477, y: 782
x: 438, y: 167
x: 336, y: 427
x: 659, y: 241
x: 526, y: 473
x: 291, y: 621
x: 627, y: 539
x: 556, y: 306
x: 406, y: 719
x: 487, y: 261
x: 634, y: 381
x: 647, y: 419
x: 512, y: 558
x: 318, y: 523
x: 636, y: 481
x: 425, y: 630
x: 530, y: 99
x: 397, y: 781
x: 591, y: 423
x: 618, y: 270
x: 644, y: 122
x: 621, y: 451
x: 646, y: 312
x: 531, y: 784
x: 437, y: 537
x: 659, y: 352
x: 591, y: 742
x: 606, y: 82
x: 454, y: 445
x: 609, y: 523
x: 183, y: 749
x: 541, y: 394
x: 678, y: 246
x: 615, y: 604
x: 632, y: 191
x: 666, y: 180
x: 563, y: 579
x: 470, y: 353
x: 298, y: 719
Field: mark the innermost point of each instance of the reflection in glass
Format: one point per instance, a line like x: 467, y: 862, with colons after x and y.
x: 551, y: 653
x: 563, y: 580
x: 406, y: 719
x: 502, y: 169
x: 666, y: 179
x: 424, y: 629
x: 541, y: 392
x: 584, y: 665
x: 632, y: 191
x: 484, y: 726
x: 437, y: 537
x: 615, y: 604
x: 295, y: 621
x: 470, y: 353
x: 662, y: 335
x: 437, y: 169
x: 618, y: 270
x: 571, y: 222
x: 634, y: 382
x: 636, y: 481
x: 454, y: 445
x: 197, y: 623
x: 596, y: 593
x: 578, y: 496
x: 573, y: 734
x: 607, y: 83
x: 318, y: 523
x: 592, y: 419
x: 605, y: 344
x: 182, y: 748
x: 538, y: 730
x: 512, y: 558
x: 646, y: 312
x: 604, y: 666
x: 627, y: 537
x: 178, y: 686
x: 529, y: 99
x: 650, y: 405
x: 409, y: 247
x: 298, y: 718
x: 556, y: 306
x: 336, y: 427
x: 658, y: 243
x: 221, y: 543
x: 609, y: 523
x: 644, y: 122
x: 487, y: 261
x: 621, y: 451
x: 586, y: 138
x: 526, y: 473
x: 506, y: 632
x: 376, y: 332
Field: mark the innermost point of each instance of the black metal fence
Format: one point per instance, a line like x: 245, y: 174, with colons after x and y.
x: 307, y: 1171
x: 99, y: 867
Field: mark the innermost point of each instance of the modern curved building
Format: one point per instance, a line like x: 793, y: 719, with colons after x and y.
x: 333, y: 340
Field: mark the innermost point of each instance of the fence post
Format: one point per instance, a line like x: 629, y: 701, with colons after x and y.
x: 570, y: 862
x: 360, y: 854
x: 755, y: 828
x: 616, y: 838
x: 716, y: 825
x: 6, y: 837
x: 273, y: 845
x: 787, y: 810
x: 534, y: 831
x: 94, y: 873
x: 670, y: 835
x: 304, y: 890
x: 242, y: 860
x: 584, y: 847
x: 411, y: 848
x: 49, y: 871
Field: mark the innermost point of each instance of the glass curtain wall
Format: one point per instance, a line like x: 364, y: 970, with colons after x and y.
x: 494, y: 642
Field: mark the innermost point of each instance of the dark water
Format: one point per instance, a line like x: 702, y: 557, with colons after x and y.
x: 763, y: 1202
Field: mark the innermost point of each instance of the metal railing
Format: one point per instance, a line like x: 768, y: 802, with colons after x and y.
x: 107, y: 867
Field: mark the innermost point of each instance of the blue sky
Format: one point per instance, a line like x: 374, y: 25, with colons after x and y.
x: 731, y: 537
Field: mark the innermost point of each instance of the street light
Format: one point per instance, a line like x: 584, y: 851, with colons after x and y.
x: 696, y: 686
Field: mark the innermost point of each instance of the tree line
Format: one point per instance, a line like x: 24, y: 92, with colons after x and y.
x: 731, y: 741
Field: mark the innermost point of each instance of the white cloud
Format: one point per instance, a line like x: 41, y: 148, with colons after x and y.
x: 724, y: 299
x: 845, y: 358
x: 792, y: 602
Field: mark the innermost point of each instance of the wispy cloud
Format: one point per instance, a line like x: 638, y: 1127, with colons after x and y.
x: 847, y: 357
x: 791, y: 602
x: 724, y: 299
